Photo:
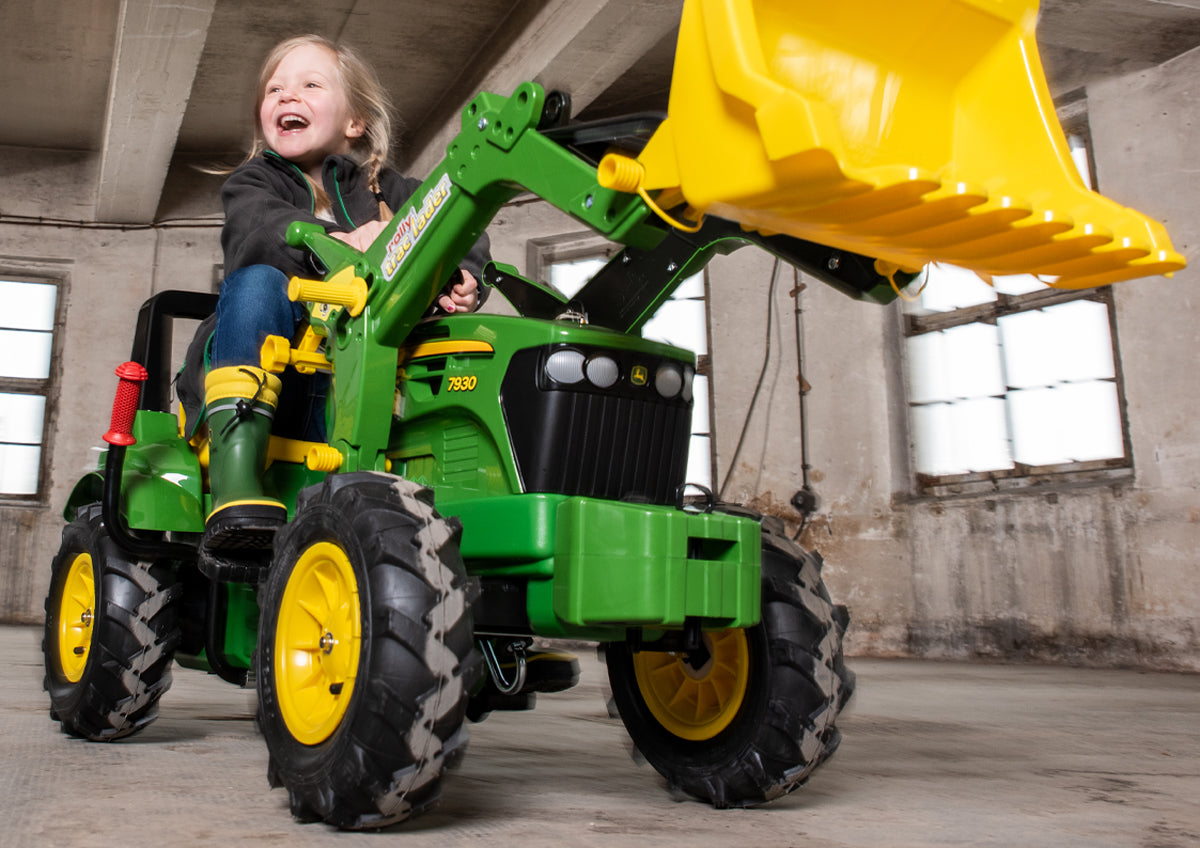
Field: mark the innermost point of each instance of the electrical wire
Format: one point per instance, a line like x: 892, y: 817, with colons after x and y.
x: 165, y: 224
x: 758, y: 387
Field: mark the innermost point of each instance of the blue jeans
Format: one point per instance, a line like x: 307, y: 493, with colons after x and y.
x: 252, y: 305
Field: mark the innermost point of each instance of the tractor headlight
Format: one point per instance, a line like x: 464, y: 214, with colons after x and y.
x: 602, y: 371
x: 688, y: 374
x: 565, y: 366
x: 668, y: 380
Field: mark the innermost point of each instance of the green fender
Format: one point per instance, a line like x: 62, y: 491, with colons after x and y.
x: 161, y: 483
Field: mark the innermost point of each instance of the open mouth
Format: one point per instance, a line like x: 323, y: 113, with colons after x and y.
x: 291, y: 123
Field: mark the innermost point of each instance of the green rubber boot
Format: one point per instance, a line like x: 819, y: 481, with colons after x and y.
x: 239, y: 404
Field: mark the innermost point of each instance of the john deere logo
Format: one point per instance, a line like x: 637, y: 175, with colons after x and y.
x: 639, y: 375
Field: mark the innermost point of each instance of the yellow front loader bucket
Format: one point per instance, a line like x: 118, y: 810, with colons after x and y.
x: 910, y: 131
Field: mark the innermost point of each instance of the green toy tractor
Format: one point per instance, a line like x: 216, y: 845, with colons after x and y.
x: 555, y: 447
x: 488, y: 480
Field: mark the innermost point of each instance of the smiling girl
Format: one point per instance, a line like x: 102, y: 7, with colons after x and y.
x: 321, y: 143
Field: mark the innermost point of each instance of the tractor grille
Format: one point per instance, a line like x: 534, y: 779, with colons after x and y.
x: 620, y: 443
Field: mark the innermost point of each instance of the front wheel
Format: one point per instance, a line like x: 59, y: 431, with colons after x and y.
x: 751, y: 715
x: 110, y: 634
x: 367, y: 653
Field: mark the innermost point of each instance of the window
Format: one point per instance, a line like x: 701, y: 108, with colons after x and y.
x: 1013, y: 379
x: 680, y: 321
x: 26, y: 353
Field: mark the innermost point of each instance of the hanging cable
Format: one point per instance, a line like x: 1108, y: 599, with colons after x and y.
x: 805, y: 500
x: 761, y: 376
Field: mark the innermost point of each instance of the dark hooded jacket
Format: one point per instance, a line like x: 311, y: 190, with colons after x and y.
x: 263, y: 196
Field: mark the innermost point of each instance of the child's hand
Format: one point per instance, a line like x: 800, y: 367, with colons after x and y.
x: 463, y: 296
x: 361, y: 238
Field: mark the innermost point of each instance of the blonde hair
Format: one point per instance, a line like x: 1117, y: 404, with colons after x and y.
x: 366, y: 96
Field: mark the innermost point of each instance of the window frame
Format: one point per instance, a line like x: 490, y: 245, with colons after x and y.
x: 22, y: 271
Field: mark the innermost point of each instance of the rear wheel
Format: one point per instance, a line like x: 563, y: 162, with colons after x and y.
x: 367, y: 653
x: 110, y: 634
x: 749, y: 716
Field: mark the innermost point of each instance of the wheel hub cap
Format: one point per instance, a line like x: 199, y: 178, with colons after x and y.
x: 696, y: 703
x: 75, y: 617
x: 317, y: 641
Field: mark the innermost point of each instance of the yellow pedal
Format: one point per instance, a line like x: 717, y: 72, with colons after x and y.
x: 277, y: 354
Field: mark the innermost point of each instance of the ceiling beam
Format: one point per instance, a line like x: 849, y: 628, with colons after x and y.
x: 577, y: 46
x: 154, y: 63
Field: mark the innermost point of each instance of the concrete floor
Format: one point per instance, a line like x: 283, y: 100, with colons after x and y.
x: 934, y: 754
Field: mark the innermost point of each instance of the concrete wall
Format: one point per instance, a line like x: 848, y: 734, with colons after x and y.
x: 1103, y: 571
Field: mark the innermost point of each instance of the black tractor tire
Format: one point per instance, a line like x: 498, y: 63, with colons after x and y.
x: 393, y: 666
x: 789, y: 678
x: 112, y: 626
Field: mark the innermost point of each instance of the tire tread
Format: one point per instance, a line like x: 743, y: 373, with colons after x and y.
x: 807, y: 684
x: 133, y: 643
x: 385, y: 763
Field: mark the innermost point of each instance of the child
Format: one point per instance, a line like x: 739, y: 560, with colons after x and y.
x: 320, y: 147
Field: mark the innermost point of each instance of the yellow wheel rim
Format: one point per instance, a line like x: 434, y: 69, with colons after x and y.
x: 317, y: 642
x: 76, y: 615
x: 696, y: 703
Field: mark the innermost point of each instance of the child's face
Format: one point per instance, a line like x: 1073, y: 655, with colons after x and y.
x: 305, y: 115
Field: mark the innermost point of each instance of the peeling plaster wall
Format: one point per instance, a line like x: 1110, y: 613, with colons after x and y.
x: 1143, y: 127
x: 1048, y: 576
